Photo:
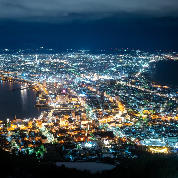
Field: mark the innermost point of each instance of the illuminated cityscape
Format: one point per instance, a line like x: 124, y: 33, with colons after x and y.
x: 99, y: 105
x: 88, y: 88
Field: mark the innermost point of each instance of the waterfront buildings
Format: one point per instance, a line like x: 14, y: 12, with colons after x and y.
x: 100, y: 105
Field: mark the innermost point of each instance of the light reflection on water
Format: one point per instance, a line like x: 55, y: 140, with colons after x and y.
x: 24, y: 97
x: 19, y: 102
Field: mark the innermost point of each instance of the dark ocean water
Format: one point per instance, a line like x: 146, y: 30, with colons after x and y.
x: 19, y: 102
x: 165, y: 72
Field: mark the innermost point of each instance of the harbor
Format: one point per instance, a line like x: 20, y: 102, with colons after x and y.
x: 18, y: 100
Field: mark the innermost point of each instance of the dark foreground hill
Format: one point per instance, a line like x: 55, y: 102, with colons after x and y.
x: 148, y: 165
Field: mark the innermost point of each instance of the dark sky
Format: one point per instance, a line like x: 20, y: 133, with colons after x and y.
x: 89, y: 24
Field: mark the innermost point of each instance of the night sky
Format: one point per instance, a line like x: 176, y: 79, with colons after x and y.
x: 89, y: 24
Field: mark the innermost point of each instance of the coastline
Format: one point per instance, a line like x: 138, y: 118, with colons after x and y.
x: 154, y: 74
x: 23, y: 101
